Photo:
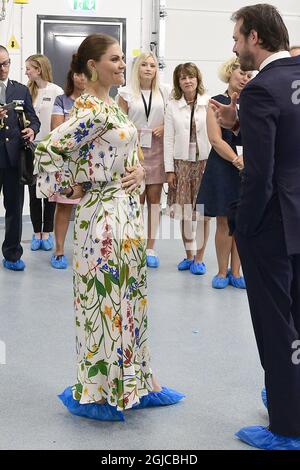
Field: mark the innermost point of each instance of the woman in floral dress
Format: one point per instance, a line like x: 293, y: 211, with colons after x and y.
x: 94, y: 156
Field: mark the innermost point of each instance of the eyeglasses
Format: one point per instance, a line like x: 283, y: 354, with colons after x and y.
x: 5, y: 64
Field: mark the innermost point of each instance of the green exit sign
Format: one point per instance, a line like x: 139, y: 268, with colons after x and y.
x: 84, y: 5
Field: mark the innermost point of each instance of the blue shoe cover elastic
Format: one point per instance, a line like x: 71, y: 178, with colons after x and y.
x: 103, y: 412
x: 262, y: 438
x: 165, y: 397
x: 264, y: 397
x: 185, y: 264
x: 219, y: 282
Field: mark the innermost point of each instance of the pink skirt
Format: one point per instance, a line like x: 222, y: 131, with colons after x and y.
x: 63, y: 199
x: 153, y: 162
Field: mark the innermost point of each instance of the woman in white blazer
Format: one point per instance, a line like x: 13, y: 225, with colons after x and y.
x: 186, y: 149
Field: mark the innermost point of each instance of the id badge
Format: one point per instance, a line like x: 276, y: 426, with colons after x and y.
x: 192, y: 152
x: 146, y: 138
x: 239, y: 150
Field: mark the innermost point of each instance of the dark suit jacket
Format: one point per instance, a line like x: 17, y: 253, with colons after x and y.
x: 10, y: 134
x: 270, y: 127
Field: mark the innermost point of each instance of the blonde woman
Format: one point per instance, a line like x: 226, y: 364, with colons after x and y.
x: 186, y: 148
x: 145, y: 101
x: 43, y: 93
x: 221, y: 181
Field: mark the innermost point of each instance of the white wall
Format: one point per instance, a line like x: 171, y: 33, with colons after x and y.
x: 201, y: 32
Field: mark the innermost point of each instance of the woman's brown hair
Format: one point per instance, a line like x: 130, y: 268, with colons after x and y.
x: 93, y: 47
x: 188, y: 69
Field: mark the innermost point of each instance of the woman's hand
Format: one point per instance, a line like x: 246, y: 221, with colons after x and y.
x: 75, y: 191
x: 134, y: 177
x: 158, y: 131
x: 239, y: 162
x: 171, y: 180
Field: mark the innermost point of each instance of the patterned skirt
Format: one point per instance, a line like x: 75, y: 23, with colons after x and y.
x: 182, y: 200
x: 110, y: 298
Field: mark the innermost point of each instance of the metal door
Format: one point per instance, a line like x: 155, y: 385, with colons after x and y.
x: 58, y: 37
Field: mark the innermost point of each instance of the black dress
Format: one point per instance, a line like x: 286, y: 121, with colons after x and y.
x: 220, y: 185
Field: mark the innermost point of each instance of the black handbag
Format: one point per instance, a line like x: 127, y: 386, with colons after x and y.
x: 26, y: 159
x: 26, y: 164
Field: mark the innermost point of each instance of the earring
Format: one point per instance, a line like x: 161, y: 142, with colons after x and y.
x: 94, y: 76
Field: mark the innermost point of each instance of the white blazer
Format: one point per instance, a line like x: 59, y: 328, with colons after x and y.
x: 177, y: 130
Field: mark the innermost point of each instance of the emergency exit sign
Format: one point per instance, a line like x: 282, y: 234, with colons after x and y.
x: 84, y: 5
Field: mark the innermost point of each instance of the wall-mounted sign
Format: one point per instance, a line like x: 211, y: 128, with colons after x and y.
x: 84, y: 5
x: 13, y: 43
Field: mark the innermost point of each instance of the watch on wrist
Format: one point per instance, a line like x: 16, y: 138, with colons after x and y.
x: 86, y: 186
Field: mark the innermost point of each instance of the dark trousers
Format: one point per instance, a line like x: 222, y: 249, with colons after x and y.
x: 273, y: 288
x: 42, y: 215
x: 13, y: 199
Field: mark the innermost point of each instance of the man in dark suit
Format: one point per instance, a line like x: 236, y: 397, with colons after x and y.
x: 10, y: 143
x: 267, y: 220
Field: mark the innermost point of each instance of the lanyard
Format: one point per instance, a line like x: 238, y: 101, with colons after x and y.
x: 147, y: 108
x: 192, y: 116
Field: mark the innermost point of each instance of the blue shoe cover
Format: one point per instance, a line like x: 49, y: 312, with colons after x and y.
x: 238, y: 282
x: 48, y: 244
x: 197, y: 268
x: 262, y: 438
x: 36, y: 243
x: 59, y: 262
x: 103, y: 412
x: 165, y: 397
x: 18, y: 265
x: 219, y: 282
x: 264, y: 397
x: 185, y: 264
x: 152, y: 261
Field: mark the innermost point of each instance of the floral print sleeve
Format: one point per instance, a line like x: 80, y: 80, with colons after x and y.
x: 66, y: 154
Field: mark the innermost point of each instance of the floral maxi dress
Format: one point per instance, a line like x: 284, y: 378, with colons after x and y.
x: 110, y: 298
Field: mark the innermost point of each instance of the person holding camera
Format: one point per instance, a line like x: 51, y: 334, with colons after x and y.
x: 11, y: 138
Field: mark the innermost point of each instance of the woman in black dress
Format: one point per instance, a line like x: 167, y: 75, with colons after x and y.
x: 220, y: 184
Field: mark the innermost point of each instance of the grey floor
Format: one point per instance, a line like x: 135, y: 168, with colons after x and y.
x: 202, y: 344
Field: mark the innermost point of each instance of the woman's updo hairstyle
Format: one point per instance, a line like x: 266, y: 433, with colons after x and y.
x: 93, y: 47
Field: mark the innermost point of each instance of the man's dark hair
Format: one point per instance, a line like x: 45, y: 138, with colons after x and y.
x: 266, y: 20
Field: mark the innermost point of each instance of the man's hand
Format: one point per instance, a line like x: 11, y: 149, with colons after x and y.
x: 171, y: 180
x: 226, y: 114
x: 3, y: 113
x: 134, y: 177
x: 28, y: 134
